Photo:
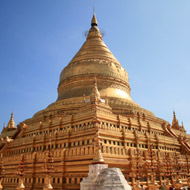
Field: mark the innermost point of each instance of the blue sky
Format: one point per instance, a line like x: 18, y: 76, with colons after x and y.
x: 150, y: 38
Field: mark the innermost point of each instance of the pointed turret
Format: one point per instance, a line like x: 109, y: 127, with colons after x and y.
x: 95, y: 95
x: 4, y: 128
x: 182, y: 125
x: 11, y: 124
x: 175, y: 123
x: 98, y: 158
x: 174, y: 116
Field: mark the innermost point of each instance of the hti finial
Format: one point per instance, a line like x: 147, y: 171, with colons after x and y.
x: 94, y: 21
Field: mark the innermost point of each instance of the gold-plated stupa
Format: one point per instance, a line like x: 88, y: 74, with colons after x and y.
x: 94, y: 59
x: 94, y: 120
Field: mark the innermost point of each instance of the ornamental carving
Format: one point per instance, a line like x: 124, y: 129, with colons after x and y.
x: 113, y: 69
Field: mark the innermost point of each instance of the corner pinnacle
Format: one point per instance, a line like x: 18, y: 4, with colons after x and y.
x: 98, y: 157
x: 95, y: 95
x: 11, y: 123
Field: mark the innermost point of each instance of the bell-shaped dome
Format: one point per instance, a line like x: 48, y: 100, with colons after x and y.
x: 94, y: 59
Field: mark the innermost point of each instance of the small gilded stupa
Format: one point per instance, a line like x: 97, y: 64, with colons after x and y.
x: 94, y: 120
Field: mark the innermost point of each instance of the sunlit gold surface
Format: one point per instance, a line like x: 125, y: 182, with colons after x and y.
x: 94, y: 120
x: 94, y: 59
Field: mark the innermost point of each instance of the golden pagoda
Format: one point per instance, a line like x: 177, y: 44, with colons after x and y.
x: 94, y: 120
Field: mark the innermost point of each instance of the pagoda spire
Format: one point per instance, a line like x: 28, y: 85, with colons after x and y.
x: 98, y: 158
x: 94, y: 21
x: 95, y: 95
x: 11, y: 123
x: 175, y: 122
x: 182, y: 124
x: 174, y: 116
